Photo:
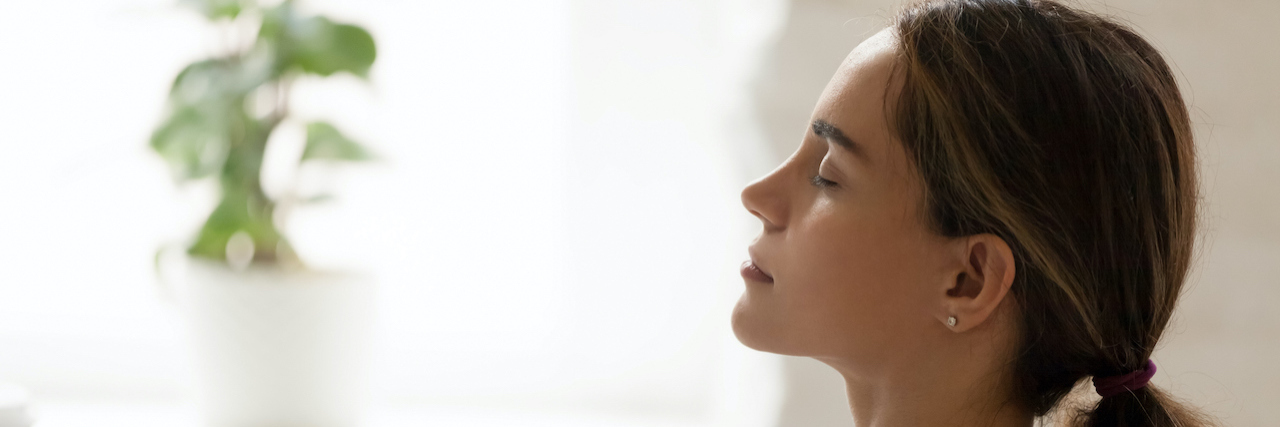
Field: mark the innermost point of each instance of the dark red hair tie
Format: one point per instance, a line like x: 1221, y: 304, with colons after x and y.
x: 1111, y: 386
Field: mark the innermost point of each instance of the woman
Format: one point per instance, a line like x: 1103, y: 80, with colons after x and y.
x: 995, y: 202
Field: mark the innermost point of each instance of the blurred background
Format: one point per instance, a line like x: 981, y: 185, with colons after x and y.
x: 553, y: 230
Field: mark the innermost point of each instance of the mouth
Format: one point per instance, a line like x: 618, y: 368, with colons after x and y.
x: 751, y: 271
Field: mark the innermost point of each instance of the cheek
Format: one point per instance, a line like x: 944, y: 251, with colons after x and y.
x: 855, y: 282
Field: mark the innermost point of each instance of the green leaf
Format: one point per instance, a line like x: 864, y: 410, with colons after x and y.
x: 216, y: 9
x: 326, y: 48
x: 325, y: 142
x: 193, y: 145
x: 315, y: 44
x: 220, y: 78
x: 196, y: 81
x: 208, y: 117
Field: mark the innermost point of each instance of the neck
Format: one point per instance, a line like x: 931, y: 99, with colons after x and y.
x: 956, y: 391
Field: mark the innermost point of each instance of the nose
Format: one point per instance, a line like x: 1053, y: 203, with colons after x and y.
x: 766, y: 199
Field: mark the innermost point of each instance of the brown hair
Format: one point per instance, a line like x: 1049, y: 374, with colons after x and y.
x: 1064, y: 133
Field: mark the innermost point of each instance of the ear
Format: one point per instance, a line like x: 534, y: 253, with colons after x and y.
x: 980, y: 283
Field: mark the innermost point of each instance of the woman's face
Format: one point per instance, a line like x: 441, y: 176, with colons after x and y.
x: 855, y: 270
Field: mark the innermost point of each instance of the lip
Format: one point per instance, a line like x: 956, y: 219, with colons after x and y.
x: 752, y: 271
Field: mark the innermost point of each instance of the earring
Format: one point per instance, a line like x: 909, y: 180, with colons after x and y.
x: 951, y: 321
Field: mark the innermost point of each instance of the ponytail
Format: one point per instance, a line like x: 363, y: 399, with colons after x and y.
x: 1144, y: 407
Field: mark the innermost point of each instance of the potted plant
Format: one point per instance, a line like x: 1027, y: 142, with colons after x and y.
x: 277, y: 342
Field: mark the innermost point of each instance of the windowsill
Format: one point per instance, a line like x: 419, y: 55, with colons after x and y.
x: 149, y: 414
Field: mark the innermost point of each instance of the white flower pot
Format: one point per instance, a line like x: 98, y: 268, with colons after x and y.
x: 276, y: 348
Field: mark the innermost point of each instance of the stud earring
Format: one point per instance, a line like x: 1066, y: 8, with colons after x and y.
x: 951, y: 321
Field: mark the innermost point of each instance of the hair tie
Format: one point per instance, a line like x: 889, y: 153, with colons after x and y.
x: 1111, y: 386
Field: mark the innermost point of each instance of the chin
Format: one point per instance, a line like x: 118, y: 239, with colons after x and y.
x: 765, y: 330
x: 753, y: 330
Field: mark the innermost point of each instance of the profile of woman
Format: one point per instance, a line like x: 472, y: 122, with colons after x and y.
x: 995, y: 202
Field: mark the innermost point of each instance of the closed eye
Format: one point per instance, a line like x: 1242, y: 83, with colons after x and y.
x: 820, y: 182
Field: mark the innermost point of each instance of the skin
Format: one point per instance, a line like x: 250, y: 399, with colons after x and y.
x: 863, y: 284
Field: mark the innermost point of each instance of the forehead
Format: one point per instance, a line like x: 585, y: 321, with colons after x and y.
x: 854, y: 99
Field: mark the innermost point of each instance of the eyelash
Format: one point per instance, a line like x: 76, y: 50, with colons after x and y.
x: 820, y: 182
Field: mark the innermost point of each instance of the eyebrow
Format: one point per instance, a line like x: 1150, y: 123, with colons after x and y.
x: 832, y: 133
